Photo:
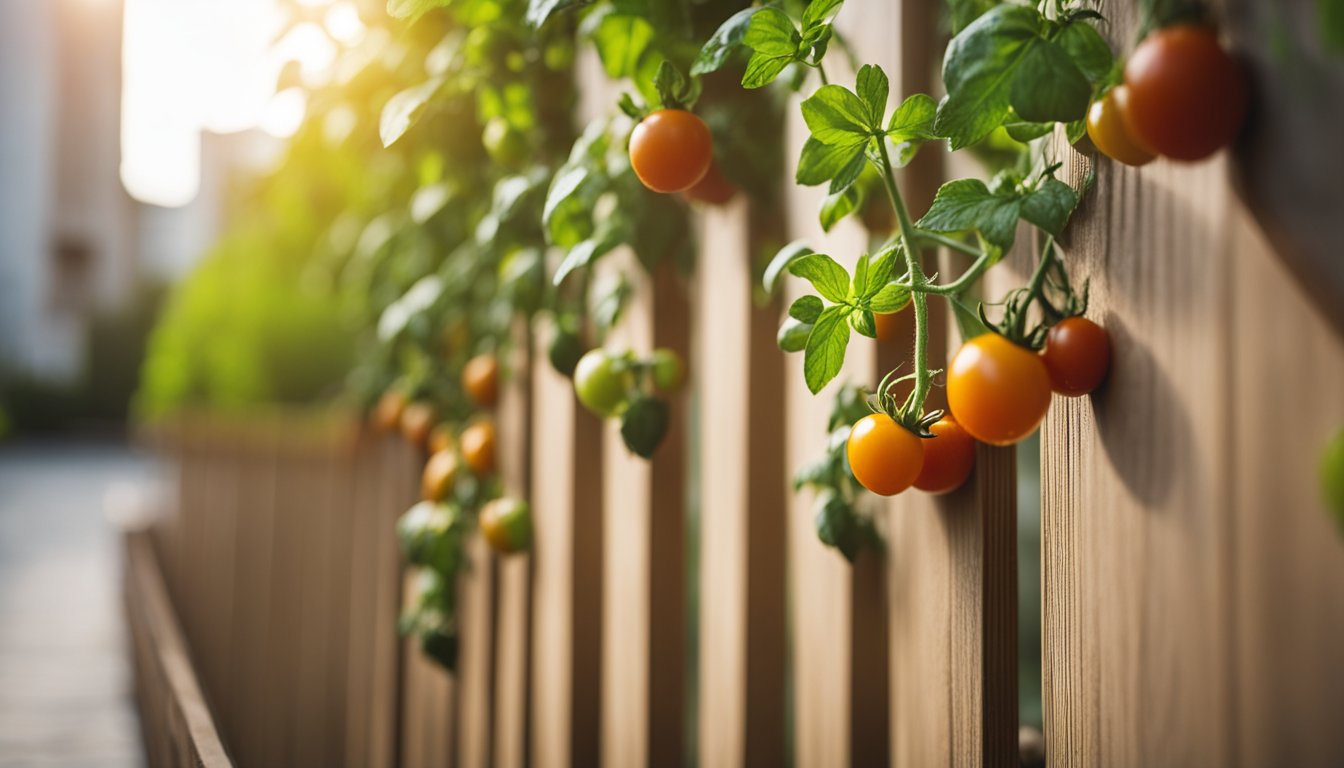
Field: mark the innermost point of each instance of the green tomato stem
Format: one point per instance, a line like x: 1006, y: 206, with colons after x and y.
x: 949, y: 242
x: 821, y: 70
x: 967, y: 278
x: 918, y: 285
x: 1035, y: 286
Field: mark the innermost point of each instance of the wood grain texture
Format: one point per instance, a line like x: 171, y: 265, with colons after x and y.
x: 567, y: 562
x: 742, y: 489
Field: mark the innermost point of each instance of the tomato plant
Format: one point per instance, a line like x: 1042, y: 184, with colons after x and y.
x: 1077, y: 355
x: 949, y: 457
x: 671, y: 150
x: 997, y: 390
x: 1187, y: 97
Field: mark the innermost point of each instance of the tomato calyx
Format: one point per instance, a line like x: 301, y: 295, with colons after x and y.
x: 884, y: 401
x: 1051, y: 291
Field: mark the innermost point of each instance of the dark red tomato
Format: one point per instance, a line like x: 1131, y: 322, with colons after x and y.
x: 1077, y: 355
x: 884, y: 456
x: 998, y: 392
x: 713, y: 189
x: 1187, y: 97
x: 948, y: 457
x: 671, y: 150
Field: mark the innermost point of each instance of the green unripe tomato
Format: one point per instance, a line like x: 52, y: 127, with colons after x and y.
x: 505, y: 144
x: 602, y: 382
x: 507, y: 525
x: 1332, y: 477
x: 668, y: 372
x: 565, y: 350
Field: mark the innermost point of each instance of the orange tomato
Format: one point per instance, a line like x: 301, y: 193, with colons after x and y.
x: 439, y: 476
x: 883, y: 455
x: 478, y: 446
x: 416, y: 421
x: 387, y: 413
x: 948, y: 458
x: 1106, y: 128
x: 671, y: 150
x: 441, y: 438
x: 998, y: 392
x: 480, y: 378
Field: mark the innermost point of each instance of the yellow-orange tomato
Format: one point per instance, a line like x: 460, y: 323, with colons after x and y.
x: 439, y: 476
x: 387, y: 413
x: 416, y: 421
x: 948, y: 457
x: 887, y: 324
x: 713, y: 189
x: 478, y: 446
x: 884, y: 456
x: 671, y: 150
x: 442, y: 438
x: 1106, y: 128
x: 998, y: 392
x: 480, y: 378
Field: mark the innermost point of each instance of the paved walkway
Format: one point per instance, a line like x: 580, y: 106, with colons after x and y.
x: 65, y: 687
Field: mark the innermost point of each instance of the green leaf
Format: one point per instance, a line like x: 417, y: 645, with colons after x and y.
x: 846, y: 176
x: 786, y: 256
x: 413, y: 9
x: 862, y: 321
x: 835, y: 115
x: 539, y: 11
x: 1087, y: 48
x: 608, y: 236
x: 1048, y: 86
x: 405, y: 108
x: 825, y: 351
x: 621, y: 40
x: 837, y: 206
x: 819, y: 12
x: 1050, y: 205
x: 979, y: 71
x: 1075, y: 130
x: 967, y: 204
x: 762, y: 69
x: 1024, y: 132
x: 674, y: 90
x: 644, y: 424
x: 879, y: 273
x: 720, y: 46
x: 806, y: 309
x: 772, y: 33
x: 873, y: 88
x: 891, y: 298
x: 829, y: 278
x: 968, y: 320
x: 820, y: 163
x: 568, y: 180
x: 913, y: 119
x: 963, y: 12
x: 792, y: 336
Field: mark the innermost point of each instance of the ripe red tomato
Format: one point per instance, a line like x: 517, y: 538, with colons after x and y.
x: 1106, y: 128
x: 1187, y: 96
x: 948, y: 458
x: 480, y: 378
x: 1077, y: 355
x: 883, y: 455
x: 671, y: 150
x: 713, y: 189
x: 998, y: 392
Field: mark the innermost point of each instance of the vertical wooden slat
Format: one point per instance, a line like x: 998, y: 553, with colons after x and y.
x: 362, y: 537
x: 742, y: 489
x: 567, y: 557
x: 252, y: 630
x: 313, y: 641
x: 399, y: 468
x: 644, y: 635
x: 512, y: 648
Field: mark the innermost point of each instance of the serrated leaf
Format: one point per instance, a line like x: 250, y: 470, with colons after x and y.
x: 1087, y: 48
x: 772, y: 33
x: 873, y: 89
x: 792, y: 336
x: 1050, y: 205
x: 828, y: 277
x: 405, y: 108
x: 762, y: 69
x: 825, y: 351
x: 836, y: 115
x: 879, y: 273
x: 539, y: 11
x: 820, y: 163
x: 967, y: 204
x: 1048, y: 87
x: 862, y: 321
x: 781, y: 261
x: 979, y: 70
x: 837, y: 206
x: 806, y: 309
x: 720, y: 46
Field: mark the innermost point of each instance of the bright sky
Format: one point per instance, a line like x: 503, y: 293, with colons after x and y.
x: 190, y: 65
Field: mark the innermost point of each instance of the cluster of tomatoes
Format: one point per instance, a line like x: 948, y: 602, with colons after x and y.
x: 1183, y: 97
x: 998, y: 393
x: 672, y: 151
x: 505, y: 522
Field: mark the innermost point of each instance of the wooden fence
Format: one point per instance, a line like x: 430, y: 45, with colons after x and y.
x: 1191, y: 585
